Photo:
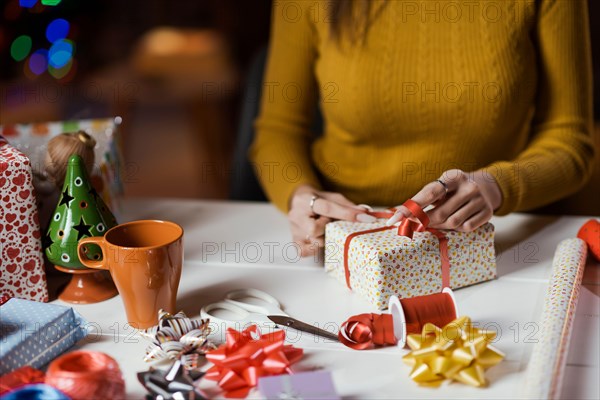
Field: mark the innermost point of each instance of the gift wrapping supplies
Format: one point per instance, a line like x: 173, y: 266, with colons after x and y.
x: 35, y: 333
x: 22, y: 272
x: 377, y: 261
x: 543, y: 379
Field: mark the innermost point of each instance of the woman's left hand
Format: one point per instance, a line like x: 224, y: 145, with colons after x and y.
x: 462, y: 201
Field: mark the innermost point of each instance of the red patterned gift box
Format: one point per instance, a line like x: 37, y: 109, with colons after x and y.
x: 22, y: 272
x: 378, y: 262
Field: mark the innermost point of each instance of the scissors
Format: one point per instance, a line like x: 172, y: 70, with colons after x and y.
x: 268, y: 313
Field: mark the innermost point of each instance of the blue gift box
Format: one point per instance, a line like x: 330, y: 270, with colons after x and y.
x: 33, y: 333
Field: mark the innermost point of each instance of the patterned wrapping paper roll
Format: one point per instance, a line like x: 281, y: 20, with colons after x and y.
x: 545, y: 371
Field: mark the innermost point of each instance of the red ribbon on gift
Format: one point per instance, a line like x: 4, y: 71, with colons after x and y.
x: 406, y: 228
x: 243, y: 359
x: 366, y: 331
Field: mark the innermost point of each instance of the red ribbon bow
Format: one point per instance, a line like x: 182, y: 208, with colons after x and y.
x: 243, y: 359
x: 406, y: 228
x: 366, y: 331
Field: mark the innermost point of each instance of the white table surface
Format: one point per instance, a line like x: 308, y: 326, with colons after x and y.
x: 231, y: 245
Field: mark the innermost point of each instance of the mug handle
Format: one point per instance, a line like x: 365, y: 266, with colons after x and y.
x: 98, y: 241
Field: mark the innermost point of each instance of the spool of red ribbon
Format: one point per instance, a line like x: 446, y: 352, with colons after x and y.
x: 406, y: 316
x: 86, y: 375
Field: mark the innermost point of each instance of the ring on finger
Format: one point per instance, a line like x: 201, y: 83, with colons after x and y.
x: 307, y: 238
x: 441, y: 182
x: 312, y: 203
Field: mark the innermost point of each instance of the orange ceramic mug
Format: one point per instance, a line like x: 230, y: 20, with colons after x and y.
x: 145, y: 260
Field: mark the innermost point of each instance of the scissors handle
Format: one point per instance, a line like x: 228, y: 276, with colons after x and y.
x: 270, y: 307
x: 244, y: 316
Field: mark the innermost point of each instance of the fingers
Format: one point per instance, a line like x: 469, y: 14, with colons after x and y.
x: 312, y: 247
x: 311, y: 210
x: 430, y: 194
x: 309, y: 234
x: 330, y: 205
x: 464, y: 207
x: 311, y: 227
x: 332, y: 209
x: 476, y: 221
x: 466, y: 192
x: 457, y: 218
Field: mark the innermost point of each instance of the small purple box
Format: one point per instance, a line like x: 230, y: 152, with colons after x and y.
x: 304, y: 385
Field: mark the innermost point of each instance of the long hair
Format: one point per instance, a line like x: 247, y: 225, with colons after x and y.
x: 351, y: 19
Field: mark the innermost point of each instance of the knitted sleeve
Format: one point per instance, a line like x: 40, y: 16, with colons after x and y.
x: 559, y: 157
x: 281, y: 149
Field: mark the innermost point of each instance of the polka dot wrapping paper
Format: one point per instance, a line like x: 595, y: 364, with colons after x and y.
x: 35, y: 333
x: 384, y: 264
x: 545, y: 370
x: 22, y: 271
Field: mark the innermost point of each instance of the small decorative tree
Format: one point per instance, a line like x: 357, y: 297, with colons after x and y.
x: 79, y: 213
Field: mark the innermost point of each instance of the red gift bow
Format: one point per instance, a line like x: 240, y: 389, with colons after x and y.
x: 406, y: 228
x: 366, y: 331
x: 242, y: 360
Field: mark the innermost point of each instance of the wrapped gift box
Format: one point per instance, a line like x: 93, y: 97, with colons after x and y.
x: 35, y: 333
x: 32, y: 140
x: 381, y: 263
x: 22, y: 271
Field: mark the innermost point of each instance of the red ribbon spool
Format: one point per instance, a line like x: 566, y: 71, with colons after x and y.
x: 406, y: 316
x: 84, y: 375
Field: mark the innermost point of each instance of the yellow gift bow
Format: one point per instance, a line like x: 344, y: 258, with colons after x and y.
x: 458, y: 352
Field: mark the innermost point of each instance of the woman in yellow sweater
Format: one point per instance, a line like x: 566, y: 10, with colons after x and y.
x: 476, y: 108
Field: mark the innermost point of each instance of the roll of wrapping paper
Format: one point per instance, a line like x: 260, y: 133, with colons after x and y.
x: 543, y: 379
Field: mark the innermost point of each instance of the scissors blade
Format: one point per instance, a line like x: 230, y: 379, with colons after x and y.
x: 302, y: 326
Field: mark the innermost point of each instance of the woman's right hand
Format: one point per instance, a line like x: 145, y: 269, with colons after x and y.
x: 308, y: 223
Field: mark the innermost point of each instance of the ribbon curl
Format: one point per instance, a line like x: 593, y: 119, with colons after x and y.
x: 458, y: 352
x: 366, y: 331
x: 177, y: 337
x: 246, y: 356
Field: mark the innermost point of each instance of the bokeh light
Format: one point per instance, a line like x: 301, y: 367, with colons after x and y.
x: 51, y: 2
x: 12, y: 10
x: 60, y: 73
x: 20, y: 48
x: 27, y: 3
x: 60, y: 53
x: 57, y: 29
x: 38, y: 62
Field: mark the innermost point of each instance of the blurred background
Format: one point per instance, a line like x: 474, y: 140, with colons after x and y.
x: 175, y: 71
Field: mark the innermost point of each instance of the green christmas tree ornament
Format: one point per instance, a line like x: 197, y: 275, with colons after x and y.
x: 79, y: 213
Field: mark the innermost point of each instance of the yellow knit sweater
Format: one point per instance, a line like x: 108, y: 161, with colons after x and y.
x: 503, y: 85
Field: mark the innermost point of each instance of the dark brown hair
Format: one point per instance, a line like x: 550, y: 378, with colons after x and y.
x: 351, y: 18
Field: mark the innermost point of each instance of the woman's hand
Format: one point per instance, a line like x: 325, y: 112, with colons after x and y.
x: 308, y: 223
x: 463, y: 200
